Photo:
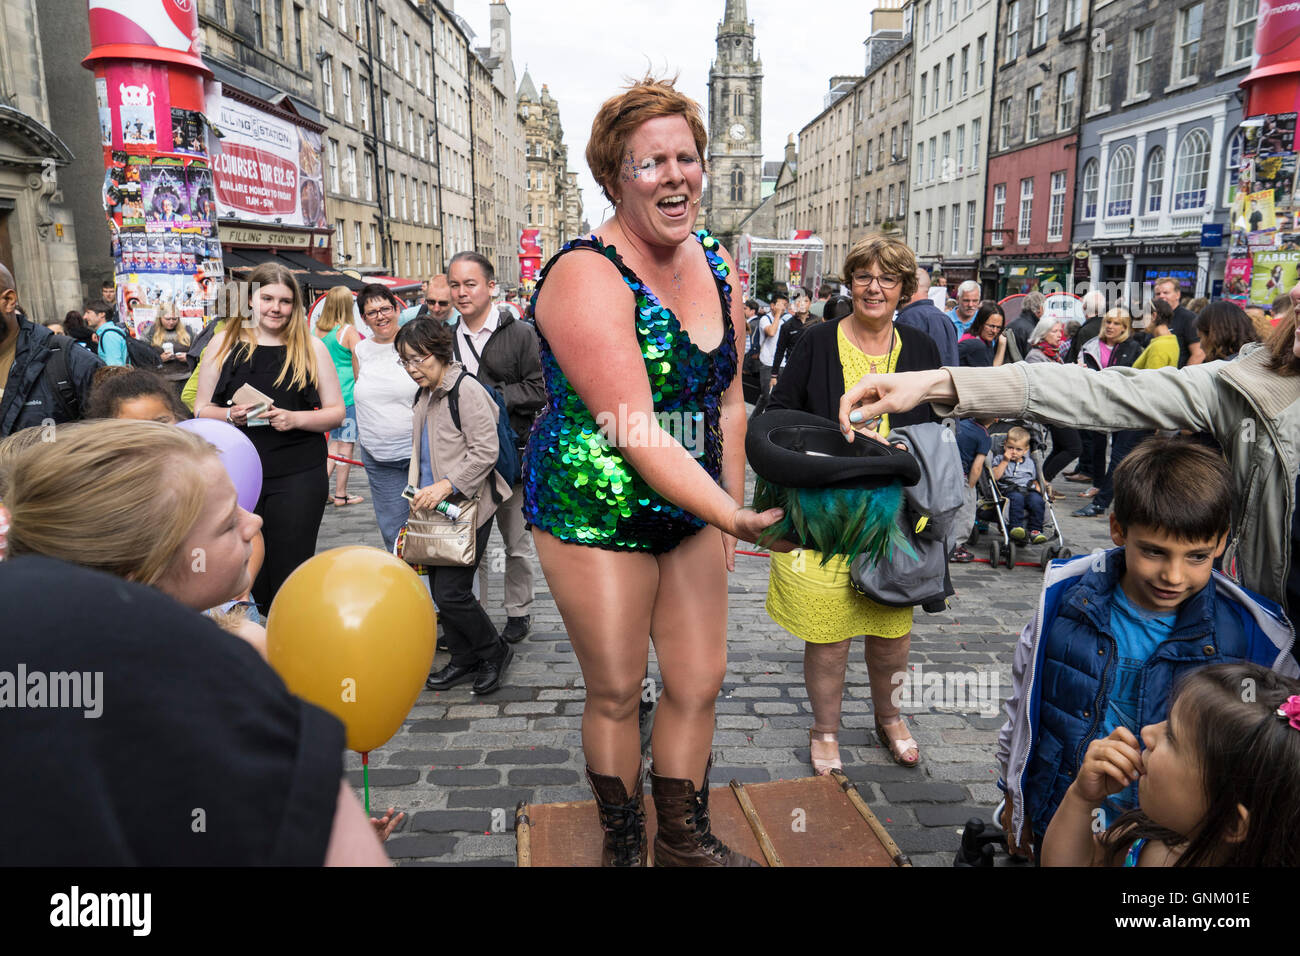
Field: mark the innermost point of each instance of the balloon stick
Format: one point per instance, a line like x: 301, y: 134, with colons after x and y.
x: 365, y: 777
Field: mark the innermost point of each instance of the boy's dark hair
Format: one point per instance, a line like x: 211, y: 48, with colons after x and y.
x: 97, y: 305
x: 425, y: 337
x: 480, y: 260
x: 1175, y: 486
x: 751, y: 304
x: 109, y: 391
x: 825, y: 290
x: 1246, y: 755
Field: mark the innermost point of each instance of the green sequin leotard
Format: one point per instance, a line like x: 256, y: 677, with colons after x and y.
x: 578, y: 487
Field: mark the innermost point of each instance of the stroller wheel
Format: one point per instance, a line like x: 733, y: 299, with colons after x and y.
x: 1011, y: 555
x: 995, y: 553
x: 1065, y: 553
x: 1049, y: 552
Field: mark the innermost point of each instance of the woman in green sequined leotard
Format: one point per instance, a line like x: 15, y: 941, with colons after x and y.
x: 630, y: 532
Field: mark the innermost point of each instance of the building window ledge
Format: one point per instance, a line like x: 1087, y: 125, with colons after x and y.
x: 1182, y: 84
x: 1233, y: 68
x: 1133, y: 100
x: 1099, y: 111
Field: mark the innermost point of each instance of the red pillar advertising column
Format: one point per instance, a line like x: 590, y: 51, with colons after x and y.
x: 158, y: 189
x: 1265, y: 237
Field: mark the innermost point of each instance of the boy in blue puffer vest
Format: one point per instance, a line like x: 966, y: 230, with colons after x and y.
x: 1115, y: 630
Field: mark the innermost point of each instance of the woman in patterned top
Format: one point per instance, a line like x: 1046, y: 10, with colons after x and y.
x: 636, y: 471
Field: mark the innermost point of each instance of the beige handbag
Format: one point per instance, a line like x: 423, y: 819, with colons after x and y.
x: 432, y: 539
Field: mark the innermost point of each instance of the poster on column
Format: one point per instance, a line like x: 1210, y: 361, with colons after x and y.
x: 1273, y: 274
x: 269, y: 169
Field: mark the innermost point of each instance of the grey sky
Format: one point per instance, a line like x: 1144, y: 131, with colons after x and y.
x: 584, y: 50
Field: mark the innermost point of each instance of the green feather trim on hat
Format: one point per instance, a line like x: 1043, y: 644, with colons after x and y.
x: 836, y: 521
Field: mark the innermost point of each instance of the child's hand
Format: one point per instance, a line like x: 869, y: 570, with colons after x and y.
x: 386, y: 824
x: 1109, y: 765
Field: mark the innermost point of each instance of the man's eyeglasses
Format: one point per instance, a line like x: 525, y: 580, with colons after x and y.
x: 378, y: 313
x: 885, y: 282
x: 432, y: 303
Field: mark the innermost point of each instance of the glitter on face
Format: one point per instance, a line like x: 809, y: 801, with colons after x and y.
x: 578, y: 487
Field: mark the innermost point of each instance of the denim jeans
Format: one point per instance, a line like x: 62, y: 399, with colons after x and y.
x: 1021, y: 501
x: 387, y: 479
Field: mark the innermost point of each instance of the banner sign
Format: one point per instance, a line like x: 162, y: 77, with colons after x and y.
x: 269, y: 170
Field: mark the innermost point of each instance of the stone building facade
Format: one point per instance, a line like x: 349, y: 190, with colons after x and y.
x: 38, y: 243
x: 882, y: 106
x: 551, y: 198
x: 1038, y: 105
x: 454, y: 138
x: 1159, y: 144
x: 482, y: 93
x: 953, y: 61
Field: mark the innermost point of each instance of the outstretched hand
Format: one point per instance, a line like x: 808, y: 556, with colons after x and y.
x: 385, y: 825
x: 875, y: 395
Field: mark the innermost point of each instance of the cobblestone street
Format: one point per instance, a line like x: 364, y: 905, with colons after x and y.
x: 459, y: 766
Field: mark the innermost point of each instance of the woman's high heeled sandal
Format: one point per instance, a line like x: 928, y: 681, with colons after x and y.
x: 823, y: 765
x: 899, y: 749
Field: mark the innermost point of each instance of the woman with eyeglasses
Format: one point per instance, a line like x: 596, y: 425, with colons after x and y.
x: 984, y: 345
x: 383, y: 396
x: 817, y: 603
x: 457, y: 464
x: 273, y: 351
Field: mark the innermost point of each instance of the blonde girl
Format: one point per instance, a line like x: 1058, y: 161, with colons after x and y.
x: 335, y: 329
x: 272, y: 350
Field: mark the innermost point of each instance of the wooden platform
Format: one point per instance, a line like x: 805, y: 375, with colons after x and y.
x: 814, y: 821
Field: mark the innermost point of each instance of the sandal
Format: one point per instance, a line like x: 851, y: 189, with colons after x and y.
x: 824, y: 765
x: 1090, y: 493
x: 899, y: 749
x: 341, y: 501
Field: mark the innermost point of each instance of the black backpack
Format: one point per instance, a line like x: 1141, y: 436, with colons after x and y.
x: 138, y: 354
x: 59, y: 377
x: 507, y: 465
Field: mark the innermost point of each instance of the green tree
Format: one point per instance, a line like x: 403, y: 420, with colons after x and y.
x: 764, y: 285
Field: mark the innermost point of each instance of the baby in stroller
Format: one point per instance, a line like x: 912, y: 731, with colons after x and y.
x: 1016, y: 475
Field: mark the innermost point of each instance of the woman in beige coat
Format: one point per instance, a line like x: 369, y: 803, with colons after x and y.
x: 457, y: 465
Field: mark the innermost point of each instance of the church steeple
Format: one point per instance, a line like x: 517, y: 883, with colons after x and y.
x: 735, y: 124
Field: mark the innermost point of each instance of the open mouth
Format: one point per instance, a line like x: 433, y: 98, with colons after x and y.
x: 673, y: 206
x: 1166, y: 595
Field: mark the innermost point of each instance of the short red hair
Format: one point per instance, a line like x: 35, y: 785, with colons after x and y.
x: 616, y: 119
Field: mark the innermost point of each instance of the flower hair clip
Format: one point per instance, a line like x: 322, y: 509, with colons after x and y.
x: 1290, y: 711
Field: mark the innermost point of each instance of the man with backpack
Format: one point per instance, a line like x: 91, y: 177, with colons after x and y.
x: 115, y: 346
x: 43, y: 377
x: 502, y: 352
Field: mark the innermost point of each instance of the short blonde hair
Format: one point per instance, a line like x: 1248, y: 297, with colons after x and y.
x: 894, y: 256
x: 1124, y: 316
x: 113, y: 461
x: 620, y: 115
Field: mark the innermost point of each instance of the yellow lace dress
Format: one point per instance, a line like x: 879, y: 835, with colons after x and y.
x: 818, y: 604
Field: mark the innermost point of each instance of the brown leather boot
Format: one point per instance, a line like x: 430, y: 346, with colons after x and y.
x: 684, y: 837
x: 622, y: 818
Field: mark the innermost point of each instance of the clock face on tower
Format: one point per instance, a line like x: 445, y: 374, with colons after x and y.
x: 737, y: 131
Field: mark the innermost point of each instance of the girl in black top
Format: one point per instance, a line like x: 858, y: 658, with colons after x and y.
x: 275, y: 352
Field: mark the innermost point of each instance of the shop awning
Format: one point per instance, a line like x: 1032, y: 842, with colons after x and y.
x: 397, y: 286
x: 310, y: 273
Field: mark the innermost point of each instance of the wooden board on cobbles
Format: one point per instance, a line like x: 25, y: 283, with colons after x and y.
x: 813, y: 821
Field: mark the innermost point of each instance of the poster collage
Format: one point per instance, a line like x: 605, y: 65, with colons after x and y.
x: 160, y: 200
x: 1264, y: 247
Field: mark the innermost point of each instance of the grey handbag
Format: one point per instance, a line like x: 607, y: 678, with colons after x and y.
x: 927, y: 521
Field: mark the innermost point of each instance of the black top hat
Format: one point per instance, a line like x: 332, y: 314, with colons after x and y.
x: 795, y: 449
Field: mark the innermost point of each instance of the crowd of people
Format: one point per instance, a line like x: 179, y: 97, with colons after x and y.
x: 1125, y: 705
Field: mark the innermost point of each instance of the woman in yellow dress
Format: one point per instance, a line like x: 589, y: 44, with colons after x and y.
x: 816, y: 602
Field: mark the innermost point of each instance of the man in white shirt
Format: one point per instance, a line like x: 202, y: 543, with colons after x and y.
x: 503, y: 352
x: 939, y: 291
x: 769, y: 326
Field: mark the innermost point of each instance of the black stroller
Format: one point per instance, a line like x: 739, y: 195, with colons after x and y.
x: 991, y: 507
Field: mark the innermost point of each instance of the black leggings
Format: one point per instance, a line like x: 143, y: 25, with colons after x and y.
x: 471, y: 636
x: 290, y: 507
x: 1065, y: 448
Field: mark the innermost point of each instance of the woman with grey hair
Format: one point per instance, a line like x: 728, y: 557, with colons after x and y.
x: 1045, y: 346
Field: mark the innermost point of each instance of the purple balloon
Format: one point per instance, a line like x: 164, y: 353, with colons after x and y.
x: 237, y: 454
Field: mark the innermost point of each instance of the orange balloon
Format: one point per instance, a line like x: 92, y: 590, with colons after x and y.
x: 352, y: 631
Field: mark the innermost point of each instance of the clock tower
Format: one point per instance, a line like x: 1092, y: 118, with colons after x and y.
x: 735, y: 126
